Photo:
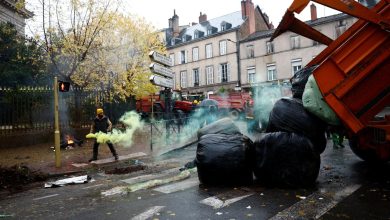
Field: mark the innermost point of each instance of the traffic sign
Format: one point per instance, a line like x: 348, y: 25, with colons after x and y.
x: 161, y: 70
x: 161, y: 81
x: 160, y: 58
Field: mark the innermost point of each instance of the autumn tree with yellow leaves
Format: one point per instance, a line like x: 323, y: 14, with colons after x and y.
x: 93, y: 46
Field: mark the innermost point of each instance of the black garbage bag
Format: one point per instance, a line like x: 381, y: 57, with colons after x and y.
x: 222, y: 126
x: 289, y: 115
x: 225, y: 159
x: 299, y: 80
x: 285, y: 159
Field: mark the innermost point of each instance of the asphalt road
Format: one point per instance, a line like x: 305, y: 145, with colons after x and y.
x: 347, y: 188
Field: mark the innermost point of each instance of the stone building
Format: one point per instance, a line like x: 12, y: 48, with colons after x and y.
x: 205, y: 54
x: 12, y: 13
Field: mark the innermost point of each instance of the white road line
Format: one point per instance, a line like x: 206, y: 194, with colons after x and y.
x: 217, y: 203
x: 49, y: 196
x: 175, y: 187
x: 88, y: 187
x: 114, y: 191
x: 147, y: 177
x: 317, y: 204
x: 148, y: 213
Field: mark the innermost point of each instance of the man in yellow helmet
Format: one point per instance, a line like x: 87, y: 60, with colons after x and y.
x: 101, y: 124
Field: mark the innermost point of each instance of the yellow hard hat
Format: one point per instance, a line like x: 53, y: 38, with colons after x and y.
x: 99, y: 111
x: 195, y: 101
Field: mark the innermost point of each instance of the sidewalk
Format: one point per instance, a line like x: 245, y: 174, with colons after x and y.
x: 41, y: 157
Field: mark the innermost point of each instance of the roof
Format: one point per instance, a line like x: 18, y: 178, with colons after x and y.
x: 319, y: 21
x: 233, y: 20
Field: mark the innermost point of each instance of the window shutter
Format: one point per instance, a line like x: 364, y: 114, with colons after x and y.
x: 200, y: 76
x: 228, y: 73
x: 219, y: 77
x: 192, y: 80
x: 179, y: 57
x: 186, y: 57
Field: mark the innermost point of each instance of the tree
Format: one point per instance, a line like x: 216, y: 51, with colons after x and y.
x: 22, y: 59
x: 98, y: 47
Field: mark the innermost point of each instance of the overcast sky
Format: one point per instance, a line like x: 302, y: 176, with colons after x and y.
x: 157, y: 12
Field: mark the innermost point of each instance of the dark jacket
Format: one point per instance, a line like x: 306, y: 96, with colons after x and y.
x: 101, y: 124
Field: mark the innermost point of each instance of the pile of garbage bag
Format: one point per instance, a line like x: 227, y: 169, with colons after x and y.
x: 289, y: 115
x: 299, y: 80
x: 283, y: 159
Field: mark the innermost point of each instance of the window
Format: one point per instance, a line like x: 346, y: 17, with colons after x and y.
x: 222, y: 47
x: 251, y: 74
x: 183, y: 79
x: 196, y: 34
x: 209, y: 31
x: 295, y: 42
x: 223, y: 73
x: 223, y: 26
x: 341, y: 28
x: 195, y: 54
x: 172, y: 56
x: 173, y: 41
x: 209, y: 51
x: 270, y: 47
x: 183, y: 39
x: 271, y: 72
x: 209, y: 75
x: 195, y: 76
x: 183, y: 57
x: 296, y: 65
x: 250, y: 51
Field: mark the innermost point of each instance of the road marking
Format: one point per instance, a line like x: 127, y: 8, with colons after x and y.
x: 175, y: 187
x: 45, y: 197
x: 218, y: 203
x: 147, y: 177
x: 88, y: 187
x: 148, y: 213
x: 317, y: 204
x: 114, y: 191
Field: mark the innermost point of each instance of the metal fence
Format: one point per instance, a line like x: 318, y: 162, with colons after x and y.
x: 31, y: 109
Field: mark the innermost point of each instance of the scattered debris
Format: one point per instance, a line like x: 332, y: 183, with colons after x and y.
x: 248, y: 207
x: 301, y: 197
x: 219, y: 213
x: 68, y: 181
x: 18, y: 176
x: 6, y: 216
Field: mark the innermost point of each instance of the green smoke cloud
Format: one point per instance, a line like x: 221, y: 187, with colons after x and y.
x: 131, y: 121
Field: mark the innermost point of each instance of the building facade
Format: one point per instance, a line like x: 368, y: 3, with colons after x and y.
x: 234, y: 52
x: 12, y: 13
x: 264, y: 61
x: 205, y: 54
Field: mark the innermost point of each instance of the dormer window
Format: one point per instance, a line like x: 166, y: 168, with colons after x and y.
x: 183, y: 39
x: 173, y: 41
x: 198, y: 34
x: 209, y: 31
x: 225, y: 26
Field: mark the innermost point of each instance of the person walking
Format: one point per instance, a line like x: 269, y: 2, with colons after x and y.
x: 101, y: 124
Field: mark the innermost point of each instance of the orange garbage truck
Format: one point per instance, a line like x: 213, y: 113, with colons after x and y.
x: 353, y: 73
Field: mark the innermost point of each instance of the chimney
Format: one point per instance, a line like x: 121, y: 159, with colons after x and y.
x: 202, y: 17
x: 313, y: 12
x: 175, y: 24
x: 248, y: 12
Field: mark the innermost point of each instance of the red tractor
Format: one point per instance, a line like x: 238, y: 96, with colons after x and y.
x: 155, y: 104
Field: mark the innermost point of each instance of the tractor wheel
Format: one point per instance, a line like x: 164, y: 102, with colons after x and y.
x: 234, y: 114
x: 365, y: 147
